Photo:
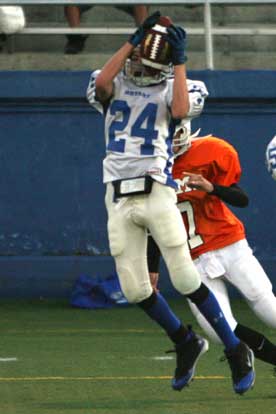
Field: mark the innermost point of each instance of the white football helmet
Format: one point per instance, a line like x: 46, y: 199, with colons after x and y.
x: 140, y: 73
x: 271, y: 157
x: 183, y: 138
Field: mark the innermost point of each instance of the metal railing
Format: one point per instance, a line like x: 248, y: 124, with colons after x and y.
x: 207, y: 30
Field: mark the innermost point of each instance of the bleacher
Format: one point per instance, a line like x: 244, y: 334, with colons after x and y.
x: 243, y: 36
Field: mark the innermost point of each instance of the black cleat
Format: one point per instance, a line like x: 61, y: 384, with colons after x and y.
x: 187, y: 356
x: 241, y: 361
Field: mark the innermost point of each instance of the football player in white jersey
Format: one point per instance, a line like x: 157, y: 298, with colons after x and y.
x: 141, y: 108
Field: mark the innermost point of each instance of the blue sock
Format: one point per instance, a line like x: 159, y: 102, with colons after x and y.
x: 161, y: 313
x: 210, y: 308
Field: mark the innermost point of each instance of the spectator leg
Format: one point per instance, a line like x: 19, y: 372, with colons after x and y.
x: 140, y: 13
x: 75, y: 43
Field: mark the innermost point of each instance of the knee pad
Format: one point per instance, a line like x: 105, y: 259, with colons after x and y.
x: 184, y: 275
x: 134, y: 279
x: 265, y: 308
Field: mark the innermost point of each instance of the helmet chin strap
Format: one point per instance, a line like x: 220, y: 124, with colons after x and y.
x: 146, y: 80
x: 195, y: 134
x: 136, y: 72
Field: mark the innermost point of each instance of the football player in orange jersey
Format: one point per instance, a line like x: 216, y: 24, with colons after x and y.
x: 208, y: 170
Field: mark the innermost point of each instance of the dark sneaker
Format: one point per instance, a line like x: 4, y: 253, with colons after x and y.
x: 75, y: 44
x: 187, y: 355
x: 241, y: 361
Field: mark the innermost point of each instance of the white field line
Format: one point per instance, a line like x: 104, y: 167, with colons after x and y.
x: 81, y: 330
x: 162, y: 358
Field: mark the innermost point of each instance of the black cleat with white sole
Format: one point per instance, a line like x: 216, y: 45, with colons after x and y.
x: 187, y: 356
x: 241, y: 361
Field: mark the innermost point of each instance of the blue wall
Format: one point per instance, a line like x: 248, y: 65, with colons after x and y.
x: 51, y: 192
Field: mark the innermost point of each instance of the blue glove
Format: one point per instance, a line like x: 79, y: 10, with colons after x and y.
x: 137, y: 37
x: 177, y: 39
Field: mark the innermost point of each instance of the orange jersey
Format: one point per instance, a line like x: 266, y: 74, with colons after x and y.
x: 209, y: 222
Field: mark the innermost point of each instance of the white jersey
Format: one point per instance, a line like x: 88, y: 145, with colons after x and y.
x: 139, y: 128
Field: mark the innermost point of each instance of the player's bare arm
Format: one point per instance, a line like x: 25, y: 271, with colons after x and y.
x: 104, y: 81
x: 199, y: 182
x: 232, y: 194
x: 180, y: 102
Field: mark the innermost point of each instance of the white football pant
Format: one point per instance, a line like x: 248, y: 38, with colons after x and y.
x: 237, y: 265
x: 128, y: 221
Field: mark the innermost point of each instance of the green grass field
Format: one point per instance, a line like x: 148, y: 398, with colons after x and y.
x: 107, y: 361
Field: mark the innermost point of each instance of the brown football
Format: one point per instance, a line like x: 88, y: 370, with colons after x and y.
x: 155, y: 49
